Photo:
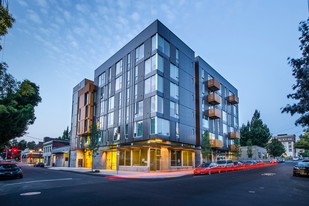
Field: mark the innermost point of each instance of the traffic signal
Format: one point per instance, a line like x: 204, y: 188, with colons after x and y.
x: 14, y: 150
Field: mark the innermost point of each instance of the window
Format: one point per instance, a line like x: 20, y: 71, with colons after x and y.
x: 128, y: 77
x: 116, y: 133
x: 101, y: 122
x: 102, y: 106
x: 86, y: 111
x: 156, y: 104
x: 110, y: 119
x: 118, y: 85
x: 111, y: 103
x: 140, y: 157
x: 136, y: 73
x: 174, y: 72
x: 128, y: 95
x: 177, y: 130
x: 225, y: 128
x: 205, y: 123
x: 139, y: 109
x: 129, y: 61
x: 139, y: 51
x: 125, y: 158
x: 154, y: 44
x: 128, y: 113
x: 177, y: 56
x: 109, y: 74
x: 224, y: 116
x: 135, y: 91
x: 153, y: 63
x: 174, y: 110
x: 126, y: 131
x: 153, y: 83
x: 175, y: 158
x: 102, y: 79
x: 118, y: 67
x: 187, y: 158
x: 163, y: 46
x: 86, y: 100
x: 138, y: 129
x: 119, y: 117
x: 110, y: 89
x: 159, y: 126
x: 174, y: 90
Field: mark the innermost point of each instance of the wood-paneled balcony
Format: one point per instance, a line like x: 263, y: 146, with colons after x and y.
x: 233, y: 99
x: 214, y: 99
x: 232, y: 148
x: 215, y: 143
x: 213, y: 85
x: 234, y: 135
x: 214, y: 113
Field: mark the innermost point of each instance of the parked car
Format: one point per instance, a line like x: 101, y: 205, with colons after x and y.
x: 281, y: 160
x: 39, y: 164
x: 295, y: 158
x: 301, y: 168
x: 204, y: 168
x: 225, y: 163
x: 10, y: 170
x: 250, y: 162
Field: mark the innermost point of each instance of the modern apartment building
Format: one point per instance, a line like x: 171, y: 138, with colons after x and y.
x: 149, y: 106
x: 288, y: 142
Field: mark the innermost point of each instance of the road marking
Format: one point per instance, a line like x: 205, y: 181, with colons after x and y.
x: 30, y: 193
x: 36, y: 181
x: 252, y: 192
x: 268, y: 174
x: 262, y: 188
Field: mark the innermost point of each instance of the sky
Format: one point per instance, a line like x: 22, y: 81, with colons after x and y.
x: 57, y: 43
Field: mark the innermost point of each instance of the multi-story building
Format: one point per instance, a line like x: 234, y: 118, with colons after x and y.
x: 145, y: 106
x: 48, y: 147
x: 217, y: 110
x: 288, y: 142
x: 81, y: 122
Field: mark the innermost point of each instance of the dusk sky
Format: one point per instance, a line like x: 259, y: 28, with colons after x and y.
x: 57, y: 43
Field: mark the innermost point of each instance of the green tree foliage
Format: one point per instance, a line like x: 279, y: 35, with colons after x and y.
x: 301, y: 73
x: 256, y: 131
x: 94, y: 142
x: 237, y: 146
x: 17, y: 99
x: 249, y: 148
x: 206, y: 146
x: 31, y: 145
x: 275, y: 148
x: 303, y: 142
x: 65, y: 134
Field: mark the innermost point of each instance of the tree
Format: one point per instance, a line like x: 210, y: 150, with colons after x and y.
x: 31, y: 145
x: 17, y: 99
x: 249, y: 148
x: 65, y: 134
x: 206, y: 146
x: 237, y: 147
x: 256, y: 131
x: 94, y: 142
x: 303, y: 142
x: 275, y: 148
x: 301, y: 73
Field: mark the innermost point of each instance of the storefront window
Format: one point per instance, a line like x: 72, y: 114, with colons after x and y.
x: 140, y: 157
x: 175, y: 158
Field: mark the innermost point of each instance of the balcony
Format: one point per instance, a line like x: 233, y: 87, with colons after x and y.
x: 214, y: 99
x: 213, y: 85
x: 215, y: 143
x: 233, y: 99
x: 234, y: 135
x: 232, y: 148
x: 214, y: 113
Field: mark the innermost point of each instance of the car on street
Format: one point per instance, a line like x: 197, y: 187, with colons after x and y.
x: 225, y: 163
x: 281, y: 160
x: 301, y: 168
x: 250, y: 162
x: 204, y: 168
x: 39, y: 164
x: 10, y: 170
x: 295, y: 158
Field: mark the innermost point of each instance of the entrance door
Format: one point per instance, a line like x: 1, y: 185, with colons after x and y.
x: 155, y: 156
x: 111, y: 160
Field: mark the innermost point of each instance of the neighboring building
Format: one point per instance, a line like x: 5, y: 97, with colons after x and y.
x: 31, y: 156
x: 81, y: 121
x: 258, y: 153
x: 48, y: 148
x: 60, y: 156
x: 288, y: 142
x: 217, y: 110
x: 149, y: 107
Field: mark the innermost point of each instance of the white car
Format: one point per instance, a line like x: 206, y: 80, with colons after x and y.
x: 295, y: 158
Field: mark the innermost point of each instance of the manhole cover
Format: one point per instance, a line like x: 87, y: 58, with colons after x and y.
x: 30, y: 193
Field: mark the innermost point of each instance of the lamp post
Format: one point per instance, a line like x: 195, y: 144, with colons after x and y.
x: 117, y: 160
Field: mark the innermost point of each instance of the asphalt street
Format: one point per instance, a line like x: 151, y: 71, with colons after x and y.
x: 273, y: 185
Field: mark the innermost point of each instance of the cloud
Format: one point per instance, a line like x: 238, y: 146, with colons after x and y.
x: 34, y: 17
x: 135, y: 17
x: 22, y: 3
x: 42, y: 3
x: 82, y: 8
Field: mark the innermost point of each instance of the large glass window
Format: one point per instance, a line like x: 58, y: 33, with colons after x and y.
x: 224, y: 116
x: 136, y: 73
x: 153, y: 83
x: 139, y: 109
x: 111, y: 103
x: 138, y: 129
x: 225, y: 128
x: 140, y: 157
x: 128, y: 77
x: 187, y: 158
x: 128, y: 114
x: 154, y: 41
x: 109, y: 74
x: 160, y: 126
x: 174, y: 110
x: 153, y: 63
x: 177, y: 130
x: 129, y: 61
x: 102, y: 79
x: 101, y: 122
x: 125, y: 158
x: 102, y: 106
x: 128, y: 95
x: 110, y: 119
x: 174, y: 72
x: 163, y: 46
x: 118, y: 85
x: 156, y: 104
x: 177, y: 56
x: 118, y: 67
x: 116, y: 133
x: 175, y: 158
x: 139, y: 52
x: 174, y: 92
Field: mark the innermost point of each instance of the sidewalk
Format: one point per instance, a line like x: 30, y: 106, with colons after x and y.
x: 112, y: 174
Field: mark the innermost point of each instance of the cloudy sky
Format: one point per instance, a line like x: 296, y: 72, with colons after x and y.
x: 57, y: 43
